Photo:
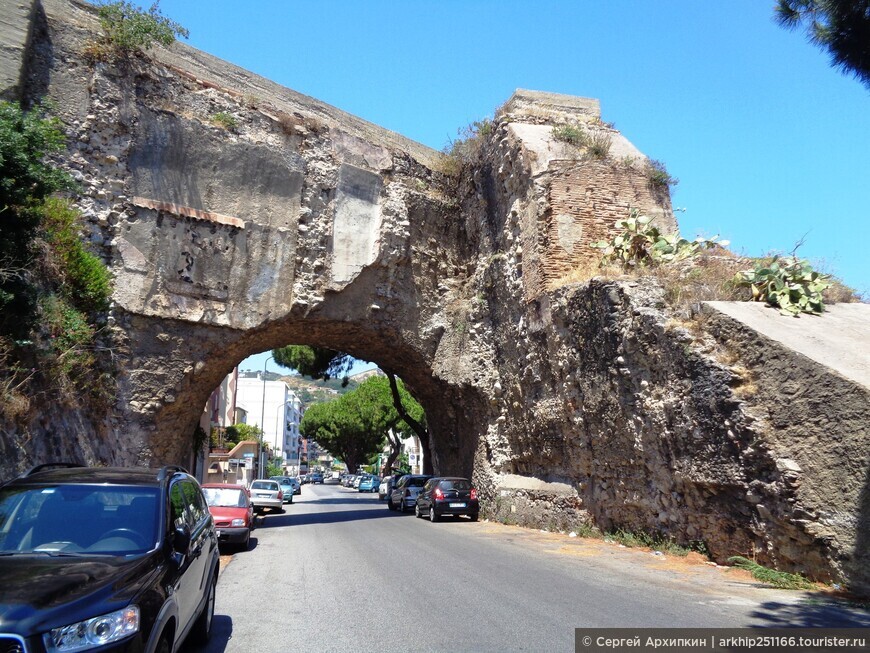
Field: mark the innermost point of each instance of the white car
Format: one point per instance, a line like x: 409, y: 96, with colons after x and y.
x: 267, y: 493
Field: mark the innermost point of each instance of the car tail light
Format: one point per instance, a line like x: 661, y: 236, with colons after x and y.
x: 280, y: 494
x: 439, y: 495
x: 473, y: 494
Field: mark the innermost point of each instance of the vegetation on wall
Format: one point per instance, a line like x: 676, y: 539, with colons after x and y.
x: 52, y: 289
x: 128, y: 29
x: 639, y: 242
x: 789, y: 283
x: 698, y: 270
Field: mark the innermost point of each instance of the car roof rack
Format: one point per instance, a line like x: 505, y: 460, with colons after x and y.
x: 166, y: 470
x: 44, y: 466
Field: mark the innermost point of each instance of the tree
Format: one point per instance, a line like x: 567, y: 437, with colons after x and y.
x: 340, y: 428
x: 840, y: 26
x: 401, y: 414
x: 321, y: 363
x: 315, y: 362
x: 243, y: 433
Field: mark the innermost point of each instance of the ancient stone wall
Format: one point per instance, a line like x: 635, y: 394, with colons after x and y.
x: 569, y: 403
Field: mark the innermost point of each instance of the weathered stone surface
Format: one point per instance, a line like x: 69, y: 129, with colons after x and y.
x: 570, y: 404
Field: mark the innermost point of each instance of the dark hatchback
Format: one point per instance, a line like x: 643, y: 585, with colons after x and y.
x: 442, y: 496
x: 105, y: 559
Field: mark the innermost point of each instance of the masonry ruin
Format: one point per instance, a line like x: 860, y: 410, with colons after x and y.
x: 569, y: 403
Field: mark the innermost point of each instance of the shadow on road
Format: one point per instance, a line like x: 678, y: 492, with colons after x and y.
x: 221, y: 633
x: 288, y: 519
x: 816, y: 611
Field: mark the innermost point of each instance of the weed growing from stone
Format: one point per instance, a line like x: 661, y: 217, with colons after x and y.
x: 779, y: 579
x: 225, y: 120
x: 129, y: 29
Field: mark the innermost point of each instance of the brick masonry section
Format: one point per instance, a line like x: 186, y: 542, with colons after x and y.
x: 188, y: 212
x: 586, y: 198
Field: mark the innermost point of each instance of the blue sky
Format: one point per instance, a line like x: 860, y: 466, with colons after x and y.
x: 771, y: 145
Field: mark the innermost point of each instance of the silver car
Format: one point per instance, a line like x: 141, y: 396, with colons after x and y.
x: 267, y: 493
x: 404, y: 495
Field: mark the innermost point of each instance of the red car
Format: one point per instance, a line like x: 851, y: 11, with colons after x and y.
x: 230, y: 507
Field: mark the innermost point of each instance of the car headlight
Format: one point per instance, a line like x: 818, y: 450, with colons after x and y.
x: 91, y: 633
x: 238, y: 522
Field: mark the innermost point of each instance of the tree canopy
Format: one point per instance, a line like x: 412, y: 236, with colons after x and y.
x: 840, y: 26
x: 314, y: 362
x: 356, y: 426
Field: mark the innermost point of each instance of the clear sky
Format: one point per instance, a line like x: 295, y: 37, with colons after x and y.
x: 771, y: 145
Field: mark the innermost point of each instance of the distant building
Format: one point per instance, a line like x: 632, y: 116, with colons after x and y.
x: 279, y: 409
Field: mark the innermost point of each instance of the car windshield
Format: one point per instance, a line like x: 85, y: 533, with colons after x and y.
x: 73, y: 519
x: 224, y: 497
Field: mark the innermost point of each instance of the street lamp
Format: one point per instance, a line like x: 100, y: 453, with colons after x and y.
x: 260, y: 465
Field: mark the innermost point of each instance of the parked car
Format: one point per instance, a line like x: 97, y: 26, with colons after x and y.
x: 230, y: 507
x: 404, y: 495
x: 357, y: 480
x: 349, y: 480
x: 369, y: 484
x: 387, y: 485
x: 288, y: 487
x: 266, y: 493
x: 442, y: 496
x: 297, y: 486
x: 115, y: 558
x: 317, y: 477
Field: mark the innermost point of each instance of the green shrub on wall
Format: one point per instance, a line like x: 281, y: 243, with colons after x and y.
x: 129, y: 29
x: 788, y: 283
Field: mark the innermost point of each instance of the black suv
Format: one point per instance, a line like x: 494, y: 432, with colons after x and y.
x: 106, y: 559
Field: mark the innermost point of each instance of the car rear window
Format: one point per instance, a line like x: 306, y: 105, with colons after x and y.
x: 264, y: 485
x: 416, y: 482
x: 455, y: 484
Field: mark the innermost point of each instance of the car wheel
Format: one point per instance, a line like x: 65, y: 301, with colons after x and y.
x: 473, y: 516
x: 202, y: 626
x: 247, y: 543
x: 390, y: 504
x: 163, y: 645
x: 417, y: 512
x: 432, y: 516
x: 402, y: 506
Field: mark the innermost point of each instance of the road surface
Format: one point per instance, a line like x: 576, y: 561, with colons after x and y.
x: 339, y: 572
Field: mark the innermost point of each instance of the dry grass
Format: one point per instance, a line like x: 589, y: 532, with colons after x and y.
x: 14, y: 403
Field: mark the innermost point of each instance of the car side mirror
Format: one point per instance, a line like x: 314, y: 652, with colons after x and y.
x: 181, y: 539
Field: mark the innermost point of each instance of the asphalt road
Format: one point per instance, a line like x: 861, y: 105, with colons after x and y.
x: 339, y: 572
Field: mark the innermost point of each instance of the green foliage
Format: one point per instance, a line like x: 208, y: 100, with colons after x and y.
x: 788, y: 283
x: 84, y: 276
x: 129, y: 29
x: 243, y: 433
x: 779, y: 579
x: 645, y: 540
x: 315, y: 362
x: 49, y: 283
x: 466, y: 147
x: 354, y: 427
x: 640, y: 243
x: 70, y: 337
x: 840, y: 26
x: 571, y: 134
x: 658, y: 176
x: 225, y: 120
x: 273, y: 468
x: 597, y: 145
